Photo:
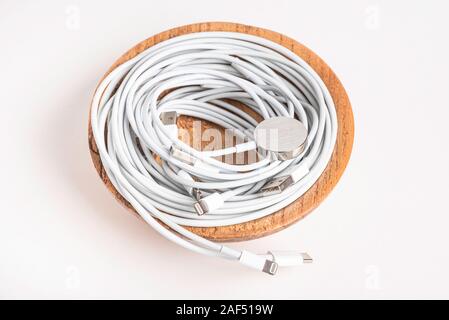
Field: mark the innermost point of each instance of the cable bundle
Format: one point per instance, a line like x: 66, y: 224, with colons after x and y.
x: 201, y: 72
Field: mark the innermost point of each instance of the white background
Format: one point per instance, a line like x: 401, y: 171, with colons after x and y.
x: 382, y: 233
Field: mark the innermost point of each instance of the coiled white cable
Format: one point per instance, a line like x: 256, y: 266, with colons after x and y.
x: 199, y: 70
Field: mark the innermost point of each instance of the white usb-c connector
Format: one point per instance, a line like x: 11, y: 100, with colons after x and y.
x: 289, y: 258
x: 273, y: 260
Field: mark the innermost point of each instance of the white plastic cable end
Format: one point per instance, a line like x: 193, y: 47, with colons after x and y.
x: 246, y: 146
x: 173, y: 130
x: 258, y: 262
x: 209, y: 203
x: 169, y: 119
x: 182, y: 156
x: 187, y: 176
x: 194, y: 192
x: 272, y: 260
x: 289, y: 258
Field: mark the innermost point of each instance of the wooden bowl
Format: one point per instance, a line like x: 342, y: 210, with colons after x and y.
x: 316, y: 194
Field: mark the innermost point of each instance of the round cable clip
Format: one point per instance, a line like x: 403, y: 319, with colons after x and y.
x: 284, y: 136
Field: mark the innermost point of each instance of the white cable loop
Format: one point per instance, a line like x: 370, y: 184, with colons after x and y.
x: 199, y: 70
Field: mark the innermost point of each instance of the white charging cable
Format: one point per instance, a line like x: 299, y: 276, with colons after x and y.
x: 133, y: 119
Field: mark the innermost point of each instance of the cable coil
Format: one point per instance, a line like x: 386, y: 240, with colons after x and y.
x: 197, y: 75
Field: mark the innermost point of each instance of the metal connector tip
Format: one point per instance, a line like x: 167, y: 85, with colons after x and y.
x: 169, y: 118
x: 306, y: 258
x: 276, y: 185
x: 197, y: 194
x: 270, y: 267
x: 200, y: 208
